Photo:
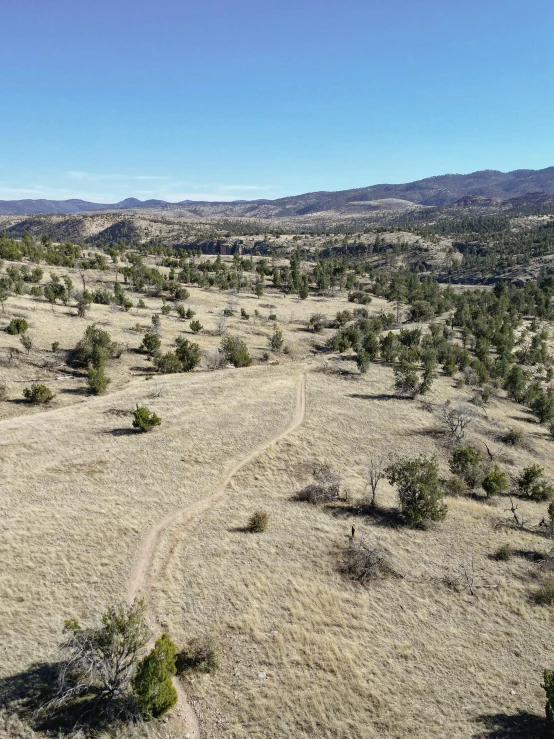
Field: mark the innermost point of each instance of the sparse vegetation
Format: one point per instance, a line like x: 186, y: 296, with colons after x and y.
x: 38, y: 394
x: 145, y: 420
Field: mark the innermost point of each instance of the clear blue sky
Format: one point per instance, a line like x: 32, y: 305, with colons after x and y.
x: 241, y: 99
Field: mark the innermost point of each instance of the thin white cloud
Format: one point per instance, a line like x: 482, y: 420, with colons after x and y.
x: 246, y: 187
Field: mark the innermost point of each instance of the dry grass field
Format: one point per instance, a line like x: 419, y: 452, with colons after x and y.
x: 306, y: 652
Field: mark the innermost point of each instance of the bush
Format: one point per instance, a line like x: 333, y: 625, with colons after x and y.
x: 195, y: 326
x: 257, y: 522
x: 363, y: 361
x: 359, y: 297
x: 101, y: 661
x: 166, y: 310
x: 145, y: 420
x: 544, y: 596
x: 532, y: 484
x: 419, y: 492
x: 548, y: 676
x: 317, y: 322
x: 504, y: 553
x: 151, y: 343
x: 276, y: 340
x: 363, y: 562
x: 93, y: 348
x: 38, y: 393
x: 168, y: 363
x: 3, y: 392
x: 97, y: 380
x: 17, y: 326
x: 236, y: 351
x: 495, y: 482
x: 154, y: 690
x: 456, y: 486
x: 512, y: 437
x: 469, y: 463
x: 343, y: 317
x: 55, y: 346
x: 325, y: 488
x: 200, y: 655
x: 187, y: 353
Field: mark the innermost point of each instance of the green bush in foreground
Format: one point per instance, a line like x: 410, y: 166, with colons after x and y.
x: 236, y: 351
x: 38, y: 393
x: 145, y: 420
x: 419, y: 492
x: 152, y: 684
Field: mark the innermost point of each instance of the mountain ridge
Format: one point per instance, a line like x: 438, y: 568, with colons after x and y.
x: 438, y: 190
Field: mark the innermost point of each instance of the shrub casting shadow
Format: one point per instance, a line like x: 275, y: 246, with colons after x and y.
x: 377, y: 396
x: 521, y: 725
x: 387, y: 517
x: 25, y: 693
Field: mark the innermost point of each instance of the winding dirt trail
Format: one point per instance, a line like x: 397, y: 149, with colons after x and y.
x: 140, y: 580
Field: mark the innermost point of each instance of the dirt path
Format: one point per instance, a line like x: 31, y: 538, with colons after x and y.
x: 139, y: 579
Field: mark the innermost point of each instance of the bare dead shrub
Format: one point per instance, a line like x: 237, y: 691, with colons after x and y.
x: 199, y: 655
x: 455, y: 420
x: 324, y: 489
x: 363, y: 561
x: 376, y: 466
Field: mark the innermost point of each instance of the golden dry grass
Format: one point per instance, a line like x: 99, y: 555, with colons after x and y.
x: 306, y: 653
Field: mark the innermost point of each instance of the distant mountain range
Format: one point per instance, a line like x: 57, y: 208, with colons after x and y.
x: 442, y: 190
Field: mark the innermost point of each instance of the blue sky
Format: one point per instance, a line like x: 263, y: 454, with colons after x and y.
x: 225, y: 100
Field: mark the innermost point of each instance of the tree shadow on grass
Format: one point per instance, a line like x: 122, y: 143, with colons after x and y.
x: 521, y: 725
x: 125, y: 431
x: 386, y: 517
x: 26, y: 694
x: 376, y: 396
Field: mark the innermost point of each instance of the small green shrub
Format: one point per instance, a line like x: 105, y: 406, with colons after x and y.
x: 276, y: 340
x: 257, y: 522
x: 188, y: 354
x: 141, y: 303
x: 419, y: 491
x: 236, y: 351
x: 469, y: 463
x: 244, y: 315
x: 168, y: 363
x: 548, y: 685
x: 152, y: 684
x: 195, y: 326
x: 97, y: 380
x: 495, y: 482
x: 166, y: 310
x: 145, y: 420
x: 17, y: 326
x: 38, y: 393
x: 151, y: 343
x: 55, y: 346
x: 199, y: 655
x: 272, y: 317
x: 532, y: 484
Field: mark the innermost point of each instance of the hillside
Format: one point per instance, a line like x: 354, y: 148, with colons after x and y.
x: 431, y: 191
